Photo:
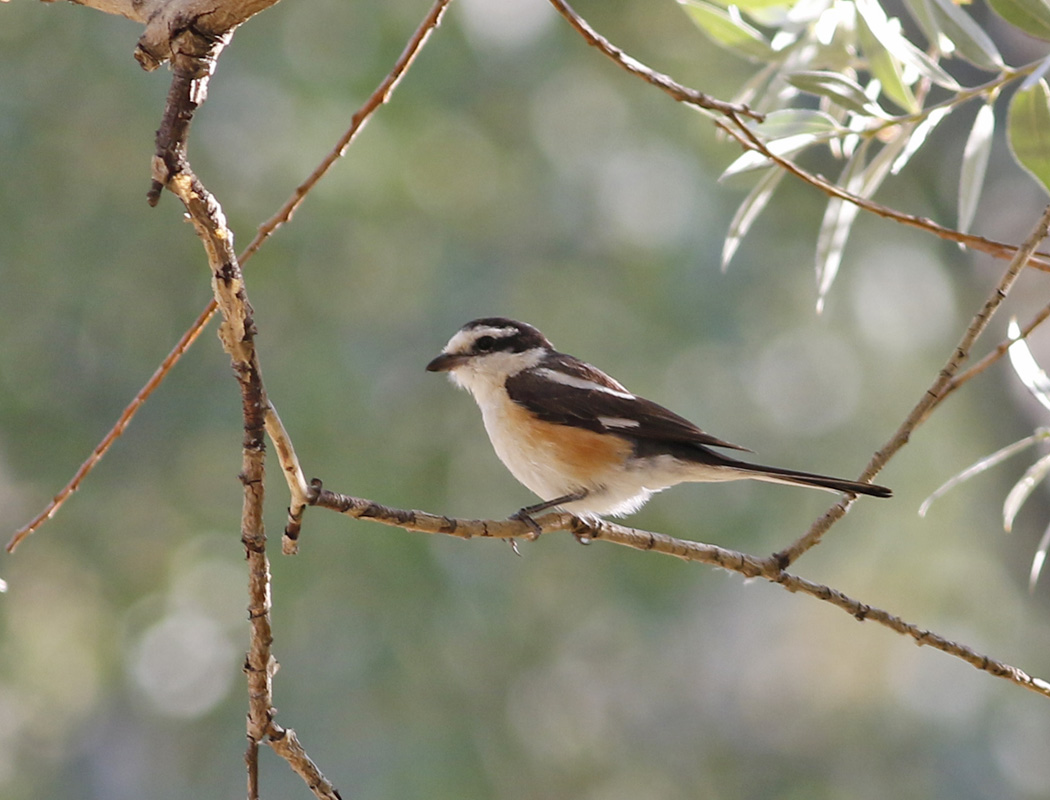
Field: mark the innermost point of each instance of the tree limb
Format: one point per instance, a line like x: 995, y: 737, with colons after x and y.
x: 932, y: 397
x: 600, y: 530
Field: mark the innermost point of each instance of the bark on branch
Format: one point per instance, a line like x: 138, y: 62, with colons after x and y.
x: 747, y: 565
x: 169, y: 21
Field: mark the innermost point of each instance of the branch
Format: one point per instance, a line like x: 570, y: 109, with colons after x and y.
x: 167, y: 21
x: 286, y: 744
x: 293, y: 474
x: 52, y: 508
x: 378, y: 98
x: 747, y: 138
x: 932, y: 397
x: 237, y: 334
x: 682, y: 94
x: 750, y: 141
x: 1000, y: 350
x: 170, y: 20
x: 747, y: 565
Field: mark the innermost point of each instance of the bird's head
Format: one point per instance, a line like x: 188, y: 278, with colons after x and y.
x: 488, y: 351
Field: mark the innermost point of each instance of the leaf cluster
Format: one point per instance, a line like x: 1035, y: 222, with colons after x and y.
x: 870, y: 88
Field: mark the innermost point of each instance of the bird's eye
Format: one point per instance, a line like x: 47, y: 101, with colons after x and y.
x: 484, y: 344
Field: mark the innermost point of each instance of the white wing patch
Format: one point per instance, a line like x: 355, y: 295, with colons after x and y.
x: 618, y: 422
x: 580, y: 383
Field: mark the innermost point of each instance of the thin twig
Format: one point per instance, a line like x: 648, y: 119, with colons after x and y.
x: 747, y: 565
x: 735, y: 127
x: 293, y: 474
x: 750, y: 141
x: 682, y: 94
x: 114, y: 433
x: 1000, y: 350
x: 931, y: 398
x: 286, y: 744
x: 379, y: 97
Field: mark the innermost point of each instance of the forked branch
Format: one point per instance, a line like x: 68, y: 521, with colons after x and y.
x: 379, y: 96
x: 237, y: 334
x: 935, y: 394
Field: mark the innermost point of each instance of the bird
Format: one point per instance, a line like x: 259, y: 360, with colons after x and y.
x: 578, y: 439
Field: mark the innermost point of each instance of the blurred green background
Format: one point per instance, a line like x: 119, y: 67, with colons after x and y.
x: 516, y: 172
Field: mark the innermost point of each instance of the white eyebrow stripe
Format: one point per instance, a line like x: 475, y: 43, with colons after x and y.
x: 618, y: 422
x: 463, y: 340
x: 580, y: 383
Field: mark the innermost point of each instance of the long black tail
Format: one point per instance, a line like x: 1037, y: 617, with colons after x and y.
x: 778, y: 475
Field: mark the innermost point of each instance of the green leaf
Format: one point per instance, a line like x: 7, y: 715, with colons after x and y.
x: 1031, y: 16
x: 975, y: 164
x: 862, y: 179
x: 884, y: 65
x: 1027, y: 368
x: 922, y: 12
x: 984, y: 464
x: 842, y: 90
x: 917, y: 137
x: 727, y: 28
x: 755, y: 5
x: 1039, y: 559
x: 1028, y: 130
x: 837, y: 222
x: 898, y: 50
x: 970, y: 40
x: 748, y: 212
x: 751, y: 160
x: 1022, y: 490
x: 794, y: 121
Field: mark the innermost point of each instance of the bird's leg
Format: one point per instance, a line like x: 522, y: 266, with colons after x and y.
x: 525, y: 514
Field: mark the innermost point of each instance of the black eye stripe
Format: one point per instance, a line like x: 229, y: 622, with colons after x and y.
x: 508, y: 343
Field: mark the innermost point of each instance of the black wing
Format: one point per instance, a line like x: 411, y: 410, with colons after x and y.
x: 566, y: 391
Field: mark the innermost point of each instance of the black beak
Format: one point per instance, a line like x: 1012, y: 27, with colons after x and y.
x: 445, y: 362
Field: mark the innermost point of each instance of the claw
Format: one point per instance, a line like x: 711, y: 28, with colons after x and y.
x: 522, y: 515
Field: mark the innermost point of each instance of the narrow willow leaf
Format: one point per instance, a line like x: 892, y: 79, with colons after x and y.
x: 794, y: 121
x: 861, y: 179
x: 727, y: 28
x: 898, y: 48
x: 884, y: 65
x: 835, y: 227
x: 748, y: 212
x: 1026, y: 367
x: 1039, y: 559
x: 751, y: 160
x: 889, y: 33
x: 1023, y: 489
x: 970, y: 40
x: 984, y: 464
x: 1028, y: 130
x: 917, y: 138
x: 922, y: 12
x: 845, y: 92
x: 926, y: 66
x: 1031, y: 16
x: 975, y: 164
x: 754, y: 5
